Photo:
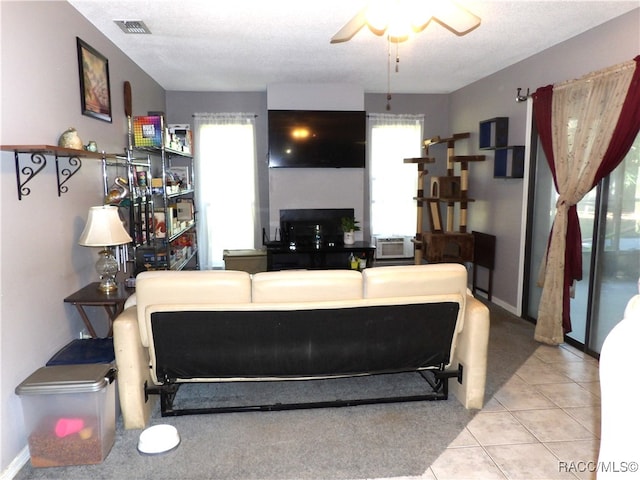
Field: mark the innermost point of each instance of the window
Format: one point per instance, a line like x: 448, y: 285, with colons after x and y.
x: 225, y: 168
x: 393, y: 183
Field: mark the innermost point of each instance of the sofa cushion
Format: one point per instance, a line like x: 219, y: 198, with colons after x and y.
x: 192, y: 287
x: 306, y: 286
x: 415, y: 280
x: 438, y: 280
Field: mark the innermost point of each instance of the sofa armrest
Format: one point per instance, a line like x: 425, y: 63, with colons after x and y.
x: 131, y: 301
x: 471, y: 353
x: 132, y: 361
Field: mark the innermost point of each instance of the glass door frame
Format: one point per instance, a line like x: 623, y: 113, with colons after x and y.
x: 597, y: 252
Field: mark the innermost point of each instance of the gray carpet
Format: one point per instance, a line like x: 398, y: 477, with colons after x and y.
x: 363, y: 442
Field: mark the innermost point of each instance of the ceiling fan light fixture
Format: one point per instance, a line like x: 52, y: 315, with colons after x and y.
x: 400, y: 25
x: 454, y: 17
x: 391, y: 17
x: 377, y: 16
x: 387, y: 16
x: 421, y: 14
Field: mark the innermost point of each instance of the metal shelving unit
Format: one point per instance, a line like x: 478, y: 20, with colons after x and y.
x: 175, y: 248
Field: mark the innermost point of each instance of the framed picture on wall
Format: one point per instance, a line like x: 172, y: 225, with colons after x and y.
x: 95, y: 93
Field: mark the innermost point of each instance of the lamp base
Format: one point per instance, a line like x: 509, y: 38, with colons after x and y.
x: 108, y: 285
x: 107, y: 268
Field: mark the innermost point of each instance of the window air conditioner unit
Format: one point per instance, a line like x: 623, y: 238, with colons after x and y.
x: 393, y: 247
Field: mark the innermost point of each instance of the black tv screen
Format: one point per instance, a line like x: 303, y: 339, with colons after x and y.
x: 317, y: 139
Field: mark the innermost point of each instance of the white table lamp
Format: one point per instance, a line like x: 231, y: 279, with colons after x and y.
x: 104, y: 229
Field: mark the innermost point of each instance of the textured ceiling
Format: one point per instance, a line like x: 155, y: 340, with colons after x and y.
x: 245, y: 45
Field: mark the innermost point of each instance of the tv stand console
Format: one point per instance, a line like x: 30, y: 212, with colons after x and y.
x: 282, y: 257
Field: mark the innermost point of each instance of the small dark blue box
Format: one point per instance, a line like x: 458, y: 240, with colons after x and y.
x: 83, y: 351
x: 494, y: 133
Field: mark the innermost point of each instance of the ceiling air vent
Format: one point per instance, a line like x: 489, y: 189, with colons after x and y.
x: 132, y: 26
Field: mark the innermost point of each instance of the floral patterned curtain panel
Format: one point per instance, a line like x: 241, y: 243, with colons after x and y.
x: 586, y: 127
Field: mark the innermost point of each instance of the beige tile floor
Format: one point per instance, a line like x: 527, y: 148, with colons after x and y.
x: 544, y: 423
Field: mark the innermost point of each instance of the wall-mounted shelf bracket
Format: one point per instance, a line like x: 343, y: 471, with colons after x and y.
x: 25, y: 173
x: 63, y: 175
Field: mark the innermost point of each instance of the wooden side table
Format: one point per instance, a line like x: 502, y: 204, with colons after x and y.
x: 91, y: 296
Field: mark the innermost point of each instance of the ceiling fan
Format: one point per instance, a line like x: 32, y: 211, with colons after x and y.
x: 399, y: 18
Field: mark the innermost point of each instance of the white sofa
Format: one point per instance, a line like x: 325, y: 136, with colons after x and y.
x: 298, y: 324
x: 619, y: 456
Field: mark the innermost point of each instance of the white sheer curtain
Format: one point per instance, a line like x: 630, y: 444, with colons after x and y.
x: 225, y: 169
x: 393, y: 183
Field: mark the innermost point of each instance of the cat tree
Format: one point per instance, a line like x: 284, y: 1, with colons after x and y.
x: 444, y: 243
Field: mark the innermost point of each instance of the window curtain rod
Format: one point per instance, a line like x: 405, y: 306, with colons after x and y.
x: 196, y: 115
x: 395, y: 115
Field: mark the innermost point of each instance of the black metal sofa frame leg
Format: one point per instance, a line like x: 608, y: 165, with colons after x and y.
x: 439, y: 391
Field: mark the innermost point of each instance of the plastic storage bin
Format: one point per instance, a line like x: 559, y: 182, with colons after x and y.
x: 252, y: 261
x: 69, y: 413
x: 88, y: 350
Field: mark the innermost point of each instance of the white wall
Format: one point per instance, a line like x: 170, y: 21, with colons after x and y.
x: 499, y: 207
x: 41, y: 261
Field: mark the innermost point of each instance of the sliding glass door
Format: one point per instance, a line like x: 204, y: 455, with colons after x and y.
x: 610, y: 225
x: 617, y: 266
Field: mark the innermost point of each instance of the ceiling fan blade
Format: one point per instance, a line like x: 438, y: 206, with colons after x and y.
x: 455, y: 18
x: 352, y: 27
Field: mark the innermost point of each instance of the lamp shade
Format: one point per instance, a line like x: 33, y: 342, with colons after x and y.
x: 104, y: 228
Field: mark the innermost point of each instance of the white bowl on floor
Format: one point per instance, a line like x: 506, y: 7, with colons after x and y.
x: 158, y: 439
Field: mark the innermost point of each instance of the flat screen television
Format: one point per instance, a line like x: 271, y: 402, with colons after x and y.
x: 317, y: 139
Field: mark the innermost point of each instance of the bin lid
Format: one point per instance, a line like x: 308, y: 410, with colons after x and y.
x: 67, y: 379
x: 244, y: 253
x: 86, y: 350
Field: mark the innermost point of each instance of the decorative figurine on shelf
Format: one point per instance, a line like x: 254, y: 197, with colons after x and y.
x: 118, y: 192
x: 70, y: 139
